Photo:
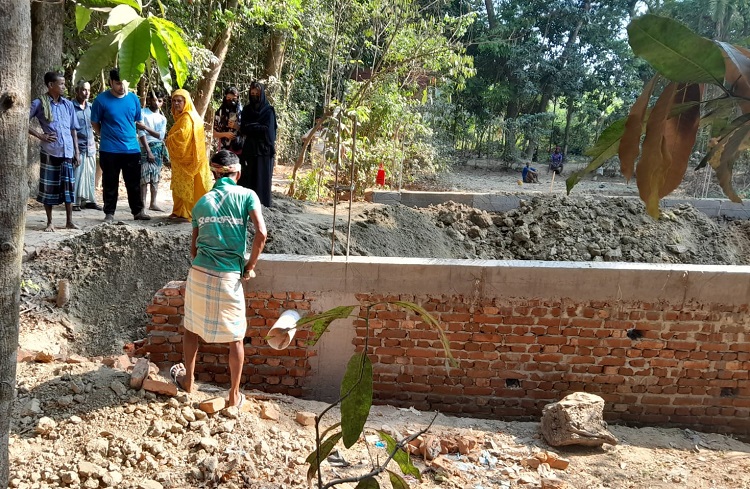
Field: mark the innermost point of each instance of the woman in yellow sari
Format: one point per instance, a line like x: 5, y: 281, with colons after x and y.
x: 186, y: 142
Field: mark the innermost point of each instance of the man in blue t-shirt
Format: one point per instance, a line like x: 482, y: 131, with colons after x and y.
x: 113, y: 116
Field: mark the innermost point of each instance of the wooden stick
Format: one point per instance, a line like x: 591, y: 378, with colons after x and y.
x: 553, y: 180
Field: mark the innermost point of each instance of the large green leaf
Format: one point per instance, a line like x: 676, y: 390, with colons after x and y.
x: 675, y: 51
x: 320, y: 322
x: 356, y: 391
x: 107, y: 5
x: 427, y: 317
x: 368, y: 483
x: 400, y: 456
x: 604, y: 149
x: 135, y: 47
x: 122, y: 15
x: 100, y: 55
x: 397, y: 482
x: 171, y: 36
x: 159, y: 53
x: 83, y: 16
x: 325, y: 449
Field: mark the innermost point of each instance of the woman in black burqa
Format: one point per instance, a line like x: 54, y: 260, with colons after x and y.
x: 258, y: 126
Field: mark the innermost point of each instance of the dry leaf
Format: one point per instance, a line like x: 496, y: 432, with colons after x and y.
x: 631, y: 138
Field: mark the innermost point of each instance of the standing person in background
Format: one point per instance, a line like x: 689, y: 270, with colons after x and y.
x: 186, y: 143
x: 214, y: 296
x: 258, y: 126
x: 113, y: 116
x: 227, y: 122
x: 151, y: 132
x: 86, y: 171
x: 59, y: 153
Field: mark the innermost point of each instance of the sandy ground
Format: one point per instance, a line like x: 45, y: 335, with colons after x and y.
x: 136, y: 439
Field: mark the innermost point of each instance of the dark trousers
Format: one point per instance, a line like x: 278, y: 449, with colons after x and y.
x: 130, y: 166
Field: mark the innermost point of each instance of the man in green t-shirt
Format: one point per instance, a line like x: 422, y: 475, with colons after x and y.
x: 214, y: 297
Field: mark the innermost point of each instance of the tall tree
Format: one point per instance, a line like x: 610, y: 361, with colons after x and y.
x: 15, y: 66
x: 47, y: 21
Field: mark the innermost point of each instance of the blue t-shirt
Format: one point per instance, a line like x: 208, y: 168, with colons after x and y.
x: 221, y: 217
x: 117, y: 117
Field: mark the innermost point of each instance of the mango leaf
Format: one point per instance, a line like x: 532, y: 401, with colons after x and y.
x: 135, y: 47
x: 723, y: 154
x: 171, y: 36
x: 368, y: 483
x: 107, y: 5
x: 356, y: 393
x: 630, y: 143
x: 325, y: 449
x: 605, y: 148
x: 100, y: 55
x: 427, y: 317
x: 680, y: 132
x: 327, y: 430
x: 159, y: 53
x: 722, y: 139
x: 675, y: 51
x: 737, y: 73
x: 83, y: 16
x: 397, y: 482
x: 656, y: 158
x: 320, y: 322
x: 400, y: 456
x: 718, y: 114
x: 122, y: 15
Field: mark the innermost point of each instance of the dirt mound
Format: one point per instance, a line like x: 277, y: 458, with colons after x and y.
x: 114, y: 272
x: 574, y: 229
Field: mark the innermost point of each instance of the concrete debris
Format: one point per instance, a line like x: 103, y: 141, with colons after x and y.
x: 576, y: 420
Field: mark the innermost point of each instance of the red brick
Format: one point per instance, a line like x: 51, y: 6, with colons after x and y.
x: 163, y: 310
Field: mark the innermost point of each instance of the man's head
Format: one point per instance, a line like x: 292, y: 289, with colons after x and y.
x: 527, y: 164
x: 83, y: 90
x: 155, y: 100
x: 557, y: 149
x: 117, y: 86
x: 55, y: 83
x: 225, y: 164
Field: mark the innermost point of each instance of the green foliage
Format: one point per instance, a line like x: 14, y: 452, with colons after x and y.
x: 356, y: 401
x: 131, y: 43
x: 675, y: 51
x: 356, y: 397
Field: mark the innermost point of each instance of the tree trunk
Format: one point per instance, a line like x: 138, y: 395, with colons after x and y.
x: 274, y: 55
x: 568, y: 119
x: 47, y: 21
x: 205, y: 88
x: 510, y: 152
x: 491, y: 19
x: 15, y: 66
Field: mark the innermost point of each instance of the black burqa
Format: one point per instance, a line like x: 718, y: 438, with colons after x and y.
x: 258, y: 125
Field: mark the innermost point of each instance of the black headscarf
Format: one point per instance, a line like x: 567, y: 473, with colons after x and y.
x: 258, y: 125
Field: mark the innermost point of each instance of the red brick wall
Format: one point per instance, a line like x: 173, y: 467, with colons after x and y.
x: 689, y: 368
x: 277, y: 371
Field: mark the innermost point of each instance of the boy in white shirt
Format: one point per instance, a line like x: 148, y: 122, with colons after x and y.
x: 151, y: 132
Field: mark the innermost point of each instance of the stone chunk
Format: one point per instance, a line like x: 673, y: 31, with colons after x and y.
x: 159, y: 387
x: 45, y: 425
x: 139, y: 373
x: 305, y: 418
x: 269, y: 411
x: 213, y: 405
x: 576, y: 420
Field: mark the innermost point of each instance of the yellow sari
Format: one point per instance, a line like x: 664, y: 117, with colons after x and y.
x: 186, y: 142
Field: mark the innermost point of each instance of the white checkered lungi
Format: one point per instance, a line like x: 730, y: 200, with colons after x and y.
x: 215, y: 305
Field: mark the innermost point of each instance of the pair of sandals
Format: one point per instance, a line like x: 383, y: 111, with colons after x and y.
x: 178, y: 370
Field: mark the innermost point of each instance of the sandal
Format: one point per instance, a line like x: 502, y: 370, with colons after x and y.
x: 177, y: 370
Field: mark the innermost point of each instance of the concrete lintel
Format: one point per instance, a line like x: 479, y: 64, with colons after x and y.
x: 513, y: 278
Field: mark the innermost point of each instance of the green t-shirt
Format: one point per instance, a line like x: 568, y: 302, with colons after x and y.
x: 221, y: 217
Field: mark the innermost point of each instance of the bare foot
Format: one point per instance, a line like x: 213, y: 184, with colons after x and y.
x: 184, y: 383
x: 156, y: 208
x: 50, y: 228
x: 235, y: 399
x: 70, y: 225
